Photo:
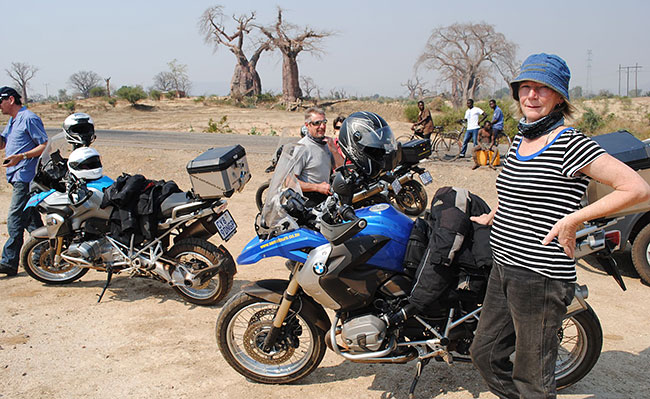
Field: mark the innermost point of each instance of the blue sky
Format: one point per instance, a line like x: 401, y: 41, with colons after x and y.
x: 374, y: 50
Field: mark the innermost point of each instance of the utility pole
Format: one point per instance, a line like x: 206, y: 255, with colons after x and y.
x: 588, y: 85
x: 636, y: 68
x: 636, y: 71
x: 46, y: 93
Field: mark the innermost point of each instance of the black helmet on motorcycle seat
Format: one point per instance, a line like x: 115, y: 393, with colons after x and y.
x: 85, y: 163
x: 367, y: 140
x: 79, y: 129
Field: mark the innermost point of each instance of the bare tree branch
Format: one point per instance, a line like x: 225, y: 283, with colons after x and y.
x: 467, y: 55
x: 22, y: 73
x: 245, y: 80
x: 84, y: 81
x: 291, y: 40
x: 416, y: 88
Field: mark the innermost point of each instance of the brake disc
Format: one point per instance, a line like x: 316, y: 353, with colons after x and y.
x: 254, y: 339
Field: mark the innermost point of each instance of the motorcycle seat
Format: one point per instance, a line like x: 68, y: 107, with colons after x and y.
x: 175, y: 200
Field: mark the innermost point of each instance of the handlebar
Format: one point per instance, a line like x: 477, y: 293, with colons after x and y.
x: 347, y: 213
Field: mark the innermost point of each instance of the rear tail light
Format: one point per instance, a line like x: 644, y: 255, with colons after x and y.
x: 613, y: 239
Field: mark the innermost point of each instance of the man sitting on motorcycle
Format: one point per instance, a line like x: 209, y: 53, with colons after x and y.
x: 314, y: 168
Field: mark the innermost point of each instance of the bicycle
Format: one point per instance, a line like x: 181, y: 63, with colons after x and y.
x: 502, y: 142
x: 444, y: 146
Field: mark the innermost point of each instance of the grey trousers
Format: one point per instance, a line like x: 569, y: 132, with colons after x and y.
x: 522, y: 313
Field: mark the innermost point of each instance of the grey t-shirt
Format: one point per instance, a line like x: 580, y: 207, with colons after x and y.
x: 316, y: 162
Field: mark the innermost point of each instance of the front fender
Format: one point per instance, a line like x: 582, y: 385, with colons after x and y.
x: 40, y: 232
x: 272, y: 291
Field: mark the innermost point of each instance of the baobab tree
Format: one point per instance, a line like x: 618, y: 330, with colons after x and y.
x: 22, y: 73
x: 291, y: 40
x: 466, y: 55
x: 245, y: 80
x: 84, y: 82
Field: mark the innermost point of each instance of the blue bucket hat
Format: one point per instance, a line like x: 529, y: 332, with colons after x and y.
x: 547, y: 69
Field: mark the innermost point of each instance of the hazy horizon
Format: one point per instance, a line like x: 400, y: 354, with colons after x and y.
x: 373, y: 51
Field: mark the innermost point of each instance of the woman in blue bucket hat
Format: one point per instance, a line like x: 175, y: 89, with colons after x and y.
x: 545, y: 175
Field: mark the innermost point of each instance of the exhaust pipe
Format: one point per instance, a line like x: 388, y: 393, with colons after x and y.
x: 578, y: 304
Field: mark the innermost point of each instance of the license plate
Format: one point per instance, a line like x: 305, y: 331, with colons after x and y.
x: 226, y: 226
x: 397, y: 186
x: 426, y: 178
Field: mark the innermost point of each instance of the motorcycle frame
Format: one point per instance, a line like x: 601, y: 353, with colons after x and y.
x: 155, y: 254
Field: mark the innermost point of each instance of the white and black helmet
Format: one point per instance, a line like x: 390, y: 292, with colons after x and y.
x: 85, y: 163
x: 367, y: 140
x: 79, y: 129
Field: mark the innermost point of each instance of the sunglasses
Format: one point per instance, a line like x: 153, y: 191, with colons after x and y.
x: 337, y: 127
x: 318, y: 123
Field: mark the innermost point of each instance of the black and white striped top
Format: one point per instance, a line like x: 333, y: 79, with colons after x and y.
x: 536, y: 191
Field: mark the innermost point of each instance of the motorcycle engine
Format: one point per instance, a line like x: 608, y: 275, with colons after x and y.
x: 92, y: 250
x: 364, y: 333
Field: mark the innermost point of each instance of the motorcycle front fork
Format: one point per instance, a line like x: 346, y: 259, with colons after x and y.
x: 58, y: 244
x: 281, y: 314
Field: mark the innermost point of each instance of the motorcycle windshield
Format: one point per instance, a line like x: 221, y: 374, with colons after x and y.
x: 273, y: 214
x: 54, y: 144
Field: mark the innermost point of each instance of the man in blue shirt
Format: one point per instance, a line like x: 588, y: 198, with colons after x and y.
x: 23, y: 140
x: 497, y: 120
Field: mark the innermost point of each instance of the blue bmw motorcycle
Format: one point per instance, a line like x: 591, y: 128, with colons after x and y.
x: 351, y: 262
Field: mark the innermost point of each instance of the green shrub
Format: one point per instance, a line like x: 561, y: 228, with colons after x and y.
x: 450, y: 119
x: 590, y: 121
x: 411, y: 113
x: 199, y: 99
x: 97, y: 91
x: 255, y: 132
x: 155, y: 94
x: 170, y: 95
x: 267, y: 97
x: 131, y: 94
x: 70, y: 105
x: 112, y: 101
x: 220, y: 126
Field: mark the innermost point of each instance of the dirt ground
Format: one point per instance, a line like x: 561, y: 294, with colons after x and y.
x: 144, y: 341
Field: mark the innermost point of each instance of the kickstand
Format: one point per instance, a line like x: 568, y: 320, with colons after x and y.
x: 418, y: 373
x: 109, y: 275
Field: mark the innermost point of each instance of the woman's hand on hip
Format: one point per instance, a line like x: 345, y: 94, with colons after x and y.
x: 565, y: 231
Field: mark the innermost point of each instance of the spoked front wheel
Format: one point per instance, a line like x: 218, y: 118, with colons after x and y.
x: 242, y: 327
x: 37, y: 257
x: 447, y: 148
x: 196, y: 254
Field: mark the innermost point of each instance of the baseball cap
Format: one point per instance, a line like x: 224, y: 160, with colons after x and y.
x: 6, y: 91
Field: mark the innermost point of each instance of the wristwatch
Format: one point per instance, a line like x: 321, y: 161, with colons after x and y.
x: 24, y: 155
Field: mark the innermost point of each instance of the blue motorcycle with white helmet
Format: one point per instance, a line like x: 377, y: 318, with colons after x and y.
x: 352, y: 263
x: 78, y: 236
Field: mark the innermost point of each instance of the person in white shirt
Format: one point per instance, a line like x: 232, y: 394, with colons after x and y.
x: 473, y: 125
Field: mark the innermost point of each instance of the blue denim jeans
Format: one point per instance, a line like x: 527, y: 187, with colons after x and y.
x: 17, y: 221
x: 470, y: 134
x: 522, y: 313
